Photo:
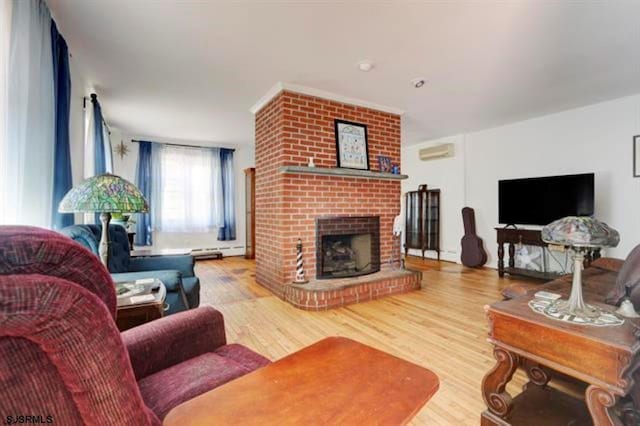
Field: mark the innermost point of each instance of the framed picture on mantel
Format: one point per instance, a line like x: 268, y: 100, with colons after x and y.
x: 636, y: 156
x: 352, y: 148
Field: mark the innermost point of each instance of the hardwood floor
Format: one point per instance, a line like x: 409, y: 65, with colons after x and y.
x: 441, y: 327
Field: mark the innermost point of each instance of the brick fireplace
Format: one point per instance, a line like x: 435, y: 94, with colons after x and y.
x: 292, y: 204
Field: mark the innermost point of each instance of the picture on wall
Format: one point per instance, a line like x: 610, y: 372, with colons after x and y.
x: 636, y: 156
x: 351, y: 145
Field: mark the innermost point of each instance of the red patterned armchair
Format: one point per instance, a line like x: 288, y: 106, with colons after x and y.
x: 62, y: 357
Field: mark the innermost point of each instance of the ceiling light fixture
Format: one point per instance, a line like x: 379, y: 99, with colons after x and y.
x: 365, y: 65
x: 418, y: 82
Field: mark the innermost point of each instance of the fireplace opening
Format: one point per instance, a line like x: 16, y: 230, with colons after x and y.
x: 346, y: 255
x: 347, y: 246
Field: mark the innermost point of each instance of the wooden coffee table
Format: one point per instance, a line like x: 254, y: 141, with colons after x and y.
x: 335, y: 381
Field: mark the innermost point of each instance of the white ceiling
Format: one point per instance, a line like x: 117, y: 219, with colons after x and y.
x: 190, y: 70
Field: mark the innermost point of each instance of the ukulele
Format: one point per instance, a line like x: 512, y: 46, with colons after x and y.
x: 473, y: 254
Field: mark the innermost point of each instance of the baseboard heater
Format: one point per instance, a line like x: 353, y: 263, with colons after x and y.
x: 206, y: 253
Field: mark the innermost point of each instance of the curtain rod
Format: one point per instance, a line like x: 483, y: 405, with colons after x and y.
x: 177, y: 144
x: 84, y: 106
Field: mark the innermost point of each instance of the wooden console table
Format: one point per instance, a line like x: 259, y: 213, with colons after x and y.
x: 529, y: 237
x: 604, y: 359
x: 335, y: 381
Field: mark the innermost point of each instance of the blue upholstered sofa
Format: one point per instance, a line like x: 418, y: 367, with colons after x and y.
x: 176, y: 272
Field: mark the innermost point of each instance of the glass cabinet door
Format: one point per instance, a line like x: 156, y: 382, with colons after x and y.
x: 412, y: 220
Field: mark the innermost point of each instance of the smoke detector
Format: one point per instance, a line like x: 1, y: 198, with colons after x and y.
x: 366, y: 65
x: 418, y: 82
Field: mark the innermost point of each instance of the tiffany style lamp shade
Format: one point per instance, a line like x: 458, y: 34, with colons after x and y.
x: 104, y: 194
x: 579, y: 234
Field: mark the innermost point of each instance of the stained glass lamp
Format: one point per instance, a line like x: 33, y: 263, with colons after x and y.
x: 104, y: 194
x: 579, y: 234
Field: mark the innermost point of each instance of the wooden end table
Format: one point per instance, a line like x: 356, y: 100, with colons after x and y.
x: 335, y: 381
x: 130, y: 316
x: 604, y: 359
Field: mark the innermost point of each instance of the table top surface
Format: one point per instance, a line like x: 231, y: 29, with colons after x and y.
x: 334, y: 381
x: 160, y: 295
x: 619, y: 336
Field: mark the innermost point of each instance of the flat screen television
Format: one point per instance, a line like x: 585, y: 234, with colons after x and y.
x: 539, y: 201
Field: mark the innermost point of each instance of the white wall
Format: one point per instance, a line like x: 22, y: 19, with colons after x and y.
x: 243, y: 157
x: 596, y: 138
x: 446, y: 174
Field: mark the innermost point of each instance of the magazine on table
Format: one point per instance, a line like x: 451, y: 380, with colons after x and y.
x: 136, y: 292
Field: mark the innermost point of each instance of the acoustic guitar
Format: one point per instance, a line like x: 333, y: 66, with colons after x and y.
x: 473, y: 254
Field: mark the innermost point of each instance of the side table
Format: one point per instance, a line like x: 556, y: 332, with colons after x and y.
x: 130, y: 316
x: 604, y: 359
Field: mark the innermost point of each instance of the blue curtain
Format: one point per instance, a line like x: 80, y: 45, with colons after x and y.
x: 102, y: 148
x: 143, y: 235
x: 98, y: 134
x: 228, y: 231
x: 62, y: 179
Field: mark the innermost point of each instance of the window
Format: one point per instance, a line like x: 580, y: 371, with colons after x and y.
x: 187, y: 189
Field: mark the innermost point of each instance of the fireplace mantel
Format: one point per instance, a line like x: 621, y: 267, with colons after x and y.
x: 336, y: 171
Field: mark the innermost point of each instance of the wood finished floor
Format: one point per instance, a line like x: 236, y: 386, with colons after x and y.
x: 441, y: 327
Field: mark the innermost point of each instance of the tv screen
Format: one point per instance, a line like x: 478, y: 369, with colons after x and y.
x: 539, y: 201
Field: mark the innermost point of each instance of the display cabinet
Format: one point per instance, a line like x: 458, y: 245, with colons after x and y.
x: 422, y: 230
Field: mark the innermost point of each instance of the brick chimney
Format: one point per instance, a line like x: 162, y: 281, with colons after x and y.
x: 289, y: 129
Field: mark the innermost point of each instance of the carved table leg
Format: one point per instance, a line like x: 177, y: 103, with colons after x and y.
x: 500, y: 260
x: 495, y: 396
x: 599, y: 402
x: 512, y: 255
x: 537, y: 374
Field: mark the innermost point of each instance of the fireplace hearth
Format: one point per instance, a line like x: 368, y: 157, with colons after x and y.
x: 348, y: 246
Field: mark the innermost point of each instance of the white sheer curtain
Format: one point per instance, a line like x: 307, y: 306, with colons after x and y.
x: 186, y: 183
x: 27, y: 180
x: 5, y: 33
x: 89, y: 141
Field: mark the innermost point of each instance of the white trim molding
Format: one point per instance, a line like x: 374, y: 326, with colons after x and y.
x: 280, y: 86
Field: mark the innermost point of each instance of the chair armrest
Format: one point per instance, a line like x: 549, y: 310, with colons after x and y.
x: 171, y: 340
x: 184, y: 264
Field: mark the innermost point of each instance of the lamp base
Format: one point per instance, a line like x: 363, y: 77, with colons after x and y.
x: 575, y: 305
x: 103, y: 248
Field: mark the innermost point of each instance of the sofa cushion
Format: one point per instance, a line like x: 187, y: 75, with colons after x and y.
x: 174, y: 303
x: 171, y: 279
x: 191, y: 287
x: 89, y: 236
x: 167, y: 388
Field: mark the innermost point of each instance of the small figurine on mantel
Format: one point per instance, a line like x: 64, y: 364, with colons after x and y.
x: 311, y: 163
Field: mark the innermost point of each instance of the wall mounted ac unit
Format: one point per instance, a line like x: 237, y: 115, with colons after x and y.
x: 437, y: 151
